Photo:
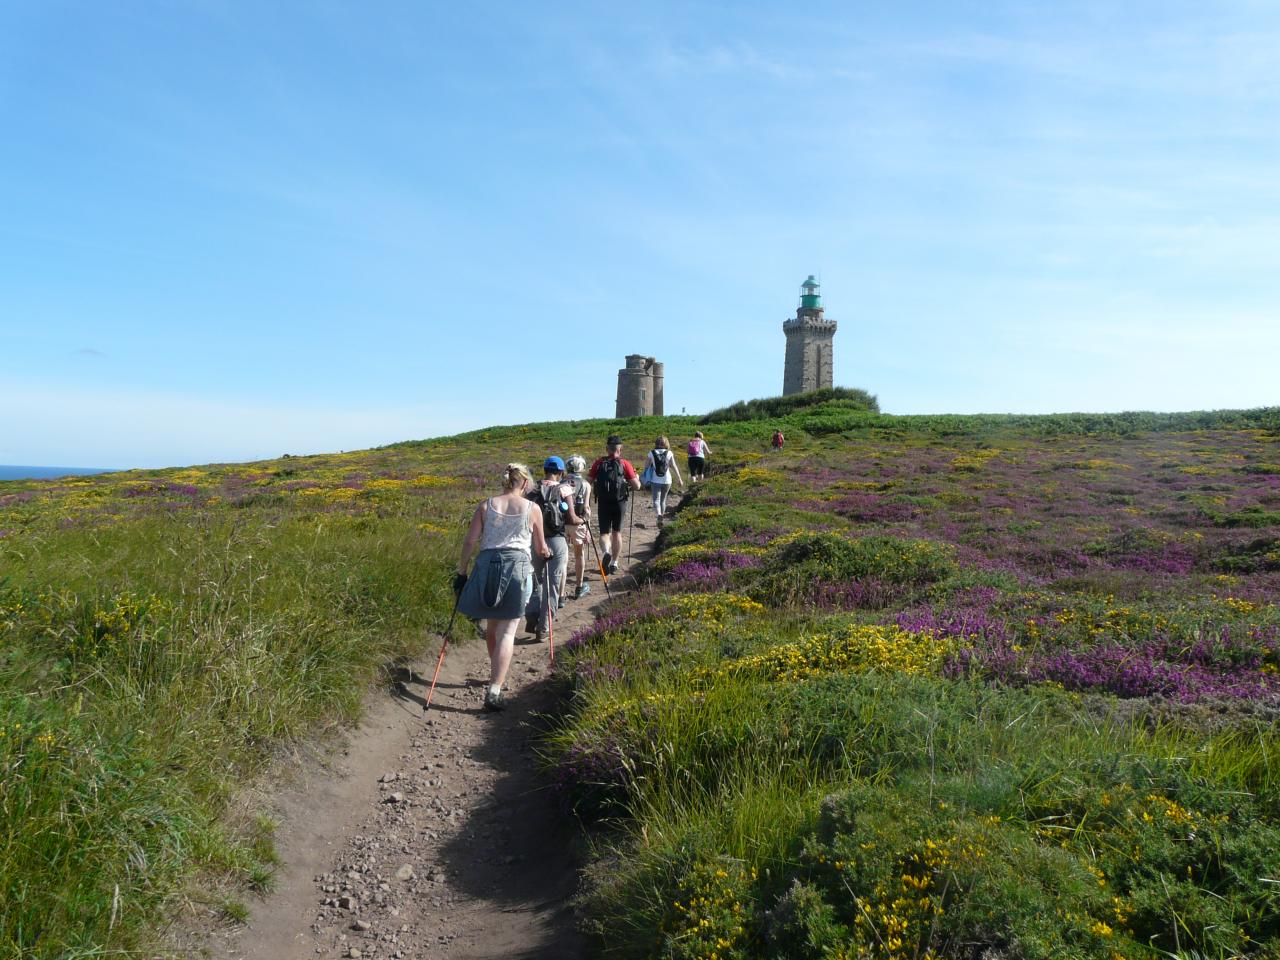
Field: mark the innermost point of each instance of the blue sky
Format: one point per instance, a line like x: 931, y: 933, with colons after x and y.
x: 231, y: 230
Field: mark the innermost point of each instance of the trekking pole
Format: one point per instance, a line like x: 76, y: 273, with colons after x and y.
x: 551, y: 634
x: 544, y: 608
x: 631, y: 528
x: 443, y: 647
x: 599, y: 563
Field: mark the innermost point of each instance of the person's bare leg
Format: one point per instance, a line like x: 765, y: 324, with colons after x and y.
x: 490, y: 639
x: 500, y: 650
x: 615, y: 541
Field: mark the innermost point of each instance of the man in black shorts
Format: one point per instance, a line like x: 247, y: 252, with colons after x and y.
x: 613, y: 479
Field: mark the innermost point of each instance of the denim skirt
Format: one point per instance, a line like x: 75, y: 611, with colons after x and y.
x: 499, y: 587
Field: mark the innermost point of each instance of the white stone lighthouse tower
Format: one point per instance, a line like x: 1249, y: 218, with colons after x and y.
x: 809, y: 339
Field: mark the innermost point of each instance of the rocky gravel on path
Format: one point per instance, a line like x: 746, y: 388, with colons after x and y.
x: 437, y: 835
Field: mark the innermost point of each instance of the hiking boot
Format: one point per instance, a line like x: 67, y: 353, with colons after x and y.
x: 493, y: 702
x: 560, y: 604
x: 583, y: 590
x: 608, y: 562
x: 613, y: 568
x: 537, y: 635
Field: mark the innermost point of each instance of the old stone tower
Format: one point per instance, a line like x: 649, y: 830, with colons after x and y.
x: 640, y: 387
x: 809, y: 337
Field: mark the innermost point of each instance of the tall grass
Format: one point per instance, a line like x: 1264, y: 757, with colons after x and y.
x: 147, y: 669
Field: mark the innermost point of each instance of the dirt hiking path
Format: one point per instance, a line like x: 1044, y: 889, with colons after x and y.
x: 433, y: 836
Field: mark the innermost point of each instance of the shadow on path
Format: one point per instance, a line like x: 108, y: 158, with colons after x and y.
x: 518, y: 848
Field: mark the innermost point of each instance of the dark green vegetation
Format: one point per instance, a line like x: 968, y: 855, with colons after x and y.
x: 831, y: 400
x: 775, y: 754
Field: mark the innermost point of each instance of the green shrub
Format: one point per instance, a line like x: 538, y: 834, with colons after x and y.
x: 1252, y: 516
x: 799, y: 566
x: 902, y: 878
x: 850, y: 398
x: 1257, y: 555
x: 803, y: 925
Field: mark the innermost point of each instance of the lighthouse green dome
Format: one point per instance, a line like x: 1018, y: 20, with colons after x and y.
x: 810, y: 294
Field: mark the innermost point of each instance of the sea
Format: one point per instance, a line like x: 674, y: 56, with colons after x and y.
x: 11, y: 472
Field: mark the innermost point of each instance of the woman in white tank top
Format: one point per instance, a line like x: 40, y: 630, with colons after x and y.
x: 505, y: 528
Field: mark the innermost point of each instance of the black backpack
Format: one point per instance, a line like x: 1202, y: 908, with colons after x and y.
x: 552, y: 514
x: 579, y: 496
x: 660, y: 461
x: 611, y: 482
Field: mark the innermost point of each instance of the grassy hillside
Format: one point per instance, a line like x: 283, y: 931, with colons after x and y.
x: 921, y: 690
x: 1045, y: 645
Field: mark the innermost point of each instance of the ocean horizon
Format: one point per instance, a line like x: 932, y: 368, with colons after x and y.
x: 15, y: 472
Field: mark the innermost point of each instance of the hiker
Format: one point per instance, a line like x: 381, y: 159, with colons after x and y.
x: 555, y: 497
x: 778, y: 440
x: 578, y: 534
x: 660, y: 467
x: 698, y: 452
x: 504, y: 527
x: 614, y: 479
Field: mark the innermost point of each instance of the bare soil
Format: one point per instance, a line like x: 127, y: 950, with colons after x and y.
x: 432, y: 836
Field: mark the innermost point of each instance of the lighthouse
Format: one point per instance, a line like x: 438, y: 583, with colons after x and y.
x: 809, y: 341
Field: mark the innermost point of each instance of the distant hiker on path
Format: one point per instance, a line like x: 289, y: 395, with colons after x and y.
x: 579, y: 534
x: 555, y: 497
x: 613, y: 479
x: 777, y: 441
x: 698, y: 452
x: 505, y: 527
x: 660, y: 467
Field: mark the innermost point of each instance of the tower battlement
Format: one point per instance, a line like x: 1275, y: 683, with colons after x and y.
x: 818, y: 324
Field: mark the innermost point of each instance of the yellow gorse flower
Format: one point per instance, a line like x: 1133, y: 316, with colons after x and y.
x: 428, y: 480
x: 855, y: 648
x: 714, y: 608
x: 974, y: 460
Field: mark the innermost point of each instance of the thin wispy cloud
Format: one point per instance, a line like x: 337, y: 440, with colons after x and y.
x: 1199, y: 58
x: 741, y: 58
